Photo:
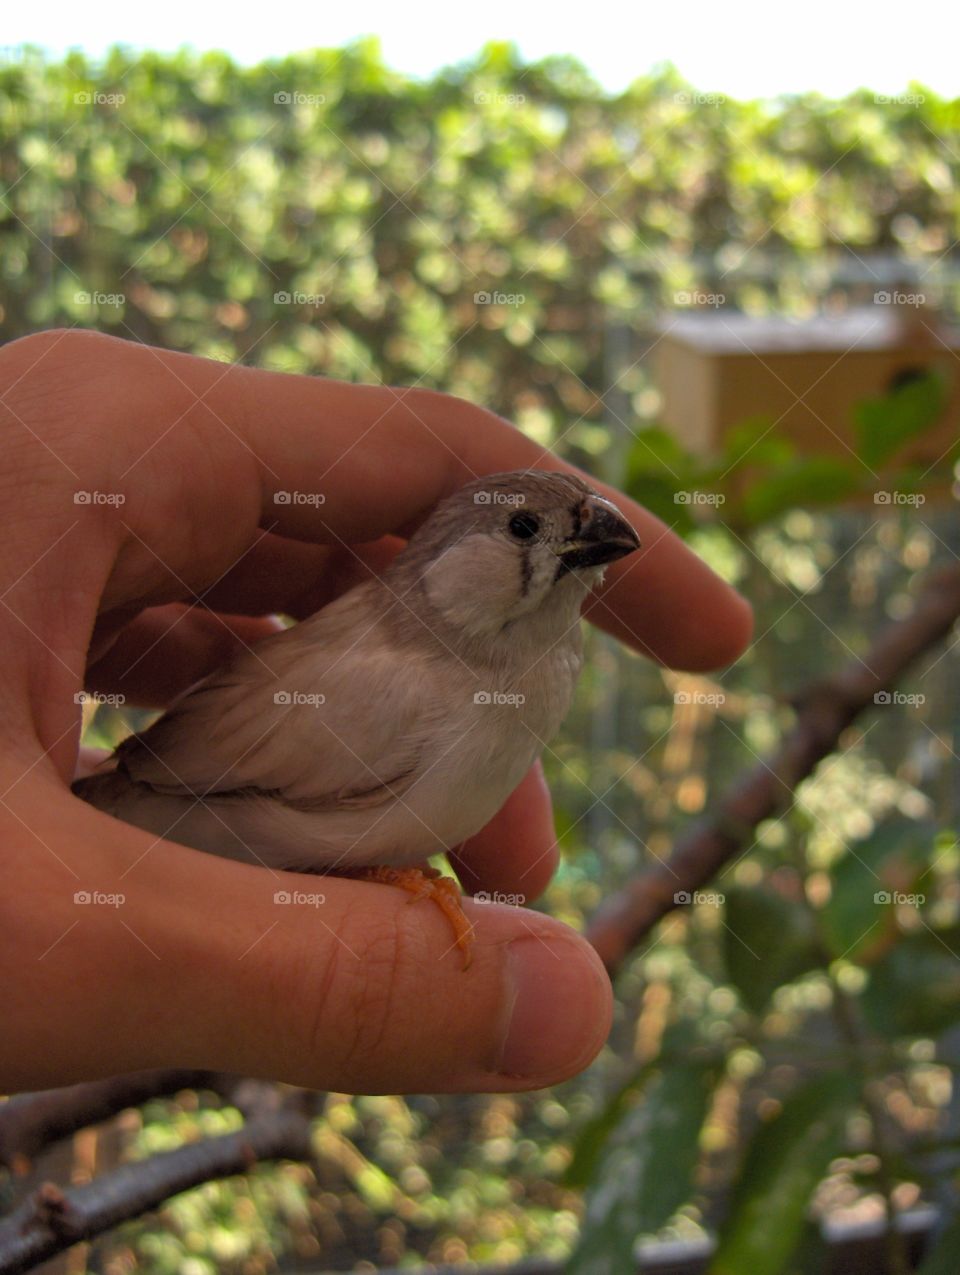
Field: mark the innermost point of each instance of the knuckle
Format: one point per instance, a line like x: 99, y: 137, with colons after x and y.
x: 423, y: 416
x: 437, y: 410
x: 47, y: 380
x: 55, y: 353
x: 357, y: 999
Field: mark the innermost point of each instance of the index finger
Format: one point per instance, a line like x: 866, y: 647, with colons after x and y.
x: 221, y: 443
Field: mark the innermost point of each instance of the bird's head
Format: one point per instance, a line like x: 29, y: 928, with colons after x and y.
x: 509, y: 545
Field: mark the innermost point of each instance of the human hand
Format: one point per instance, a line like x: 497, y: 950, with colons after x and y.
x: 195, y: 967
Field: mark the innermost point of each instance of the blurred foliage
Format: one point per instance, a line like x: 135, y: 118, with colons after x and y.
x: 482, y: 232
x: 787, y: 1048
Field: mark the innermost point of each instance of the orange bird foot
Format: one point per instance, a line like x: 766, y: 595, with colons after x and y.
x: 427, y: 883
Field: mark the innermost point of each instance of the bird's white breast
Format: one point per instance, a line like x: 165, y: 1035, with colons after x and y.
x: 485, y: 731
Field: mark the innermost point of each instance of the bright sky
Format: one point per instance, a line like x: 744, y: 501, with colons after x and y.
x: 739, y: 47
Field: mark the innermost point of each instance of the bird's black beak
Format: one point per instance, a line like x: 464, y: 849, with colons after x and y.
x: 604, y: 535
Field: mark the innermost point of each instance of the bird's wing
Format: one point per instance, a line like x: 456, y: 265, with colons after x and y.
x: 315, y: 724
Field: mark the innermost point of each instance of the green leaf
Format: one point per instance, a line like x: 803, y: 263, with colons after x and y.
x: 659, y: 496
x: 884, y: 425
x: 655, y: 451
x: 657, y: 469
x: 915, y: 989
x: 590, y: 1142
x: 805, y: 481
x: 646, y: 1171
x: 859, y: 920
x: 811, y: 1255
x: 767, y: 941
x: 756, y: 442
x: 785, y: 1161
x: 681, y: 1039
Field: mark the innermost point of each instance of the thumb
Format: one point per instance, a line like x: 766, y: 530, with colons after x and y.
x: 318, y: 981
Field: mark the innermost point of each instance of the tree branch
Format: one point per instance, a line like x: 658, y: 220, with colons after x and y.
x: 30, y: 1122
x: 52, y: 1220
x: 824, y: 710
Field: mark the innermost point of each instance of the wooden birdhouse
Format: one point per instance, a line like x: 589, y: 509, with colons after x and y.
x: 718, y: 369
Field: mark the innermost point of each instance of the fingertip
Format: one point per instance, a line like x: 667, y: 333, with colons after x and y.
x: 692, y: 619
x: 561, y: 1010
x: 737, y: 634
x: 730, y: 634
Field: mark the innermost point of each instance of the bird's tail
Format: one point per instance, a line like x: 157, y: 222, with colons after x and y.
x: 115, y: 793
x: 108, y: 790
x: 204, y: 825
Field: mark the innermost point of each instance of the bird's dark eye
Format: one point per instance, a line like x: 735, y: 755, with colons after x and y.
x: 524, y: 526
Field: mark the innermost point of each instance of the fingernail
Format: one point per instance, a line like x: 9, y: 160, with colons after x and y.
x: 559, y: 1008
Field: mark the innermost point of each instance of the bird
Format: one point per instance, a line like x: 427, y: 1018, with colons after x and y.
x: 394, y: 722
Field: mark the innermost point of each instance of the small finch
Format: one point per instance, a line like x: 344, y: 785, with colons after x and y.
x: 395, y: 722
